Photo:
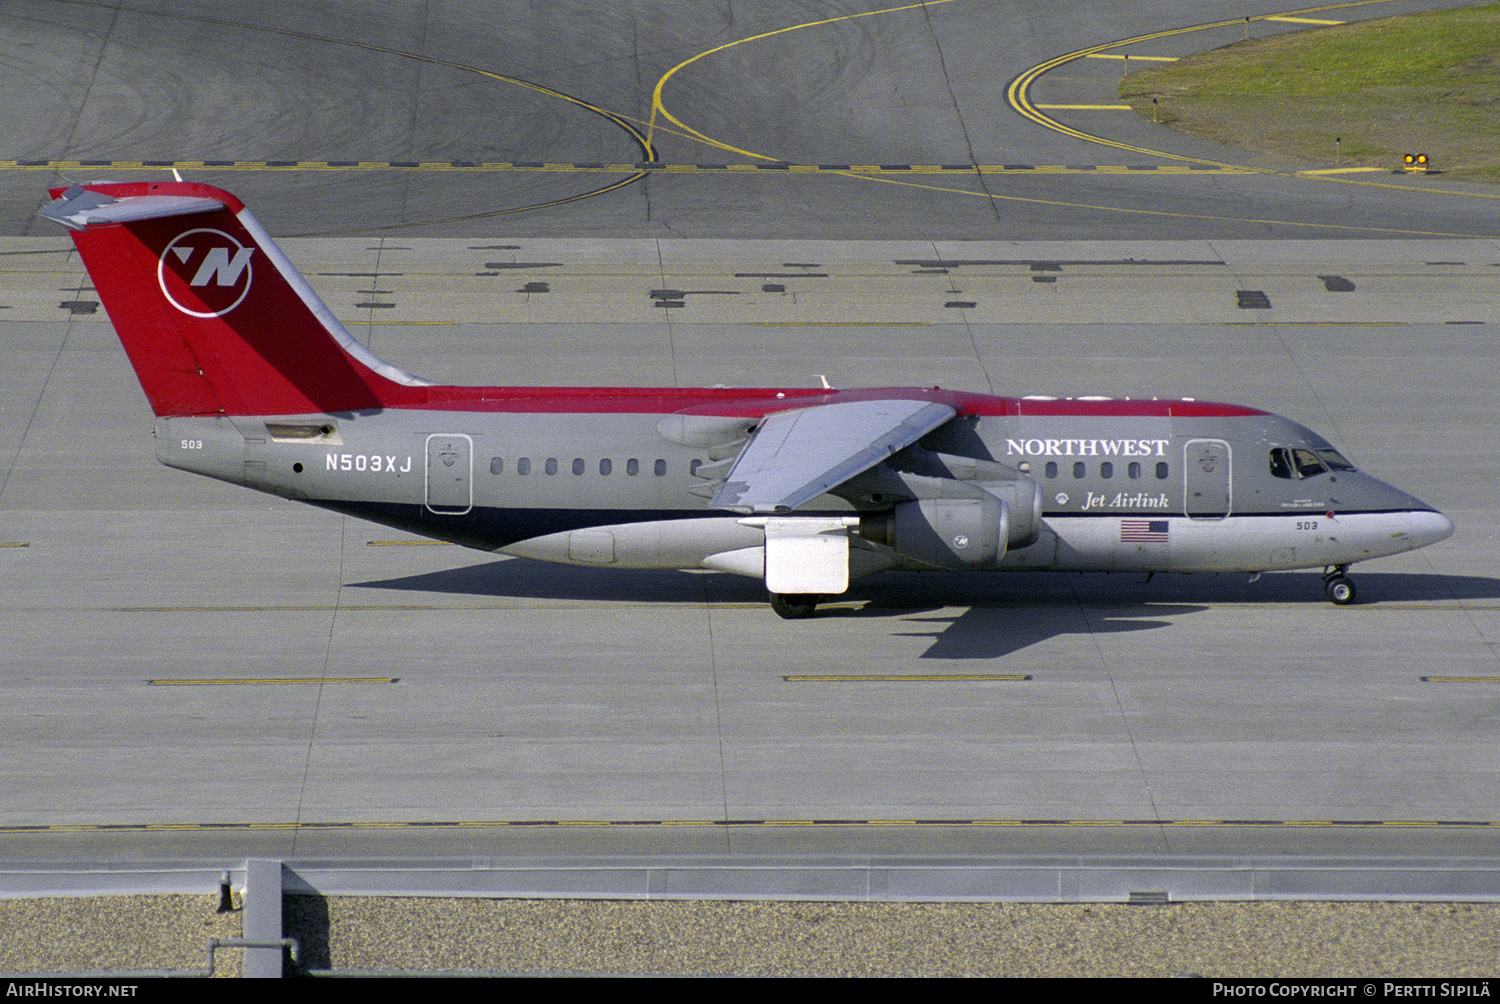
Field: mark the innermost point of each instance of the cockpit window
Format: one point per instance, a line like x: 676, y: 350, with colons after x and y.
x: 1296, y: 463
x: 1307, y: 463
x: 1333, y: 460
x: 1281, y: 463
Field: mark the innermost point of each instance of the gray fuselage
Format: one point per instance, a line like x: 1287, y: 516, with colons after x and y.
x: 1150, y: 486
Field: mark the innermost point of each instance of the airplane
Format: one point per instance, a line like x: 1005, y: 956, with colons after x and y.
x: 254, y: 381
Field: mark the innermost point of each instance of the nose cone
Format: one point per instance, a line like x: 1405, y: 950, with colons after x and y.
x: 1429, y: 527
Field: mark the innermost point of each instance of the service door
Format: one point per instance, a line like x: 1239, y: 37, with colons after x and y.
x: 450, y: 465
x: 1206, y: 485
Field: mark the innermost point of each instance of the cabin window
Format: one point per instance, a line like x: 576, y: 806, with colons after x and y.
x: 632, y: 467
x: 1106, y: 470
x: 693, y: 467
x: 1052, y: 468
x: 551, y: 465
x: 578, y: 466
x: 1134, y: 471
x: 1161, y: 471
x: 660, y: 468
x: 523, y: 466
x: 497, y: 466
x: 1078, y: 469
x: 605, y: 467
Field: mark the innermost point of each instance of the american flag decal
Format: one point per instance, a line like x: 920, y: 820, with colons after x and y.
x: 1143, y: 531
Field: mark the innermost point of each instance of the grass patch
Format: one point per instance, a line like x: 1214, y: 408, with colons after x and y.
x: 1426, y: 83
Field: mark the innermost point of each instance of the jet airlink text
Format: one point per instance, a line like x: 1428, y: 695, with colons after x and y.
x: 1087, y: 447
x: 1124, y: 501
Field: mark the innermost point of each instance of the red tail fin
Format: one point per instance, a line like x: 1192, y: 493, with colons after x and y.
x: 214, y: 318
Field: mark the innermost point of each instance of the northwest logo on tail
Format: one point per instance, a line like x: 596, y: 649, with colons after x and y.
x: 205, y: 272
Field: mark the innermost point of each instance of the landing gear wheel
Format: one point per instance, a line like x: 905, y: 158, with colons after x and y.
x: 794, y: 606
x: 1339, y: 589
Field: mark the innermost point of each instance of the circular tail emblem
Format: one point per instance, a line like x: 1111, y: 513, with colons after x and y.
x: 205, y: 272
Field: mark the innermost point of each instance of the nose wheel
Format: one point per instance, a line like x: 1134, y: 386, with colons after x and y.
x: 1338, y: 587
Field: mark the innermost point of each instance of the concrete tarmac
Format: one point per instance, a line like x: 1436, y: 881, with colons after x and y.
x: 444, y: 685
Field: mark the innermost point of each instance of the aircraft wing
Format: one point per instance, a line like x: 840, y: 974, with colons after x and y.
x: 796, y: 456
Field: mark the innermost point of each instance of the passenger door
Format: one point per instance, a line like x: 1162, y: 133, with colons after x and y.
x: 450, y: 466
x: 1206, y: 478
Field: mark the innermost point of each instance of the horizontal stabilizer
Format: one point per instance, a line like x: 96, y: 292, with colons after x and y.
x: 78, y: 208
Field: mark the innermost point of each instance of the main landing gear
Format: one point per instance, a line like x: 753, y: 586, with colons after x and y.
x: 1338, y: 587
x: 794, y: 606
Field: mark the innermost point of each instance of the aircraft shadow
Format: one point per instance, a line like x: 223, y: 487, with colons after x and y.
x: 520, y: 578
x: 1002, y: 613
x: 989, y: 633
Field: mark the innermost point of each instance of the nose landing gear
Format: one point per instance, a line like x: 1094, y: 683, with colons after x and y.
x: 1338, y: 587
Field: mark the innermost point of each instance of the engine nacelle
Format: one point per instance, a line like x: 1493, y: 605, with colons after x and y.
x: 944, y: 533
x: 1022, y: 498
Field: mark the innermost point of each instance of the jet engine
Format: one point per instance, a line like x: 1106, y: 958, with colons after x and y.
x: 959, y: 533
x: 948, y: 533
